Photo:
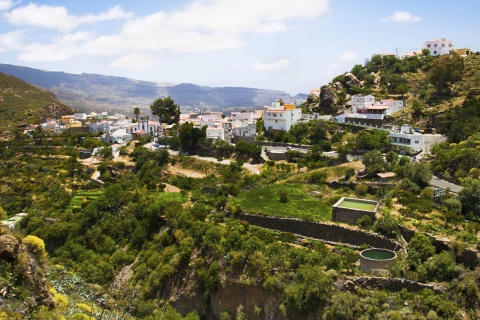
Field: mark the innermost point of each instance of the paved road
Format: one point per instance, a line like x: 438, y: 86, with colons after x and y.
x: 442, y: 184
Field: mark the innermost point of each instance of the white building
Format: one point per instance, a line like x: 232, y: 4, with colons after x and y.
x: 406, y: 140
x: 154, y: 128
x: 367, y: 105
x: 281, y: 118
x: 438, y: 47
x: 215, y: 132
x: 244, y: 128
x: 361, y: 102
x: 118, y: 135
x: 242, y: 116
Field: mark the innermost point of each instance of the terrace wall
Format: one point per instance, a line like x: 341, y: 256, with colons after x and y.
x: 322, y: 231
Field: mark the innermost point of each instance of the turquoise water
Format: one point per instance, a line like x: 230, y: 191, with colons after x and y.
x: 378, y: 254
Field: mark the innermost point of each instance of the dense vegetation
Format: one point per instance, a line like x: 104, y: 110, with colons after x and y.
x: 158, y: 236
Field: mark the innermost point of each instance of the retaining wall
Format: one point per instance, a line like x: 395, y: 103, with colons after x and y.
x: 469, y: 257
x: 322, y: 231
x: 390, y: 284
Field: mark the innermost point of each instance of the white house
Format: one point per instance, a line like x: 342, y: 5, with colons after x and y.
x: 361, y: 103
x: 438, y: 47
x: 242, y: 116
x: 406, y: 140
x: 281, y: 118
x: 118, y: 135
x: 215, y: 132
x: 244, y: 128
x: 367, y: 105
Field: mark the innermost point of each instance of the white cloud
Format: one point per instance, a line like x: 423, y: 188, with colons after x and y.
x: 348, y: 55
x: 134, y: 61
x: 62, y: 49
x: 207, y: 25
x: 58, y: 17
x: 401, y: 16
x: 203, y: 25
x: 6, y: 4
x: 277, y: 65
x: 11, y: 40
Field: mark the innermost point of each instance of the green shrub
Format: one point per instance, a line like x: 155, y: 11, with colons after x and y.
x: 35, y: 245
x: 365, y: 222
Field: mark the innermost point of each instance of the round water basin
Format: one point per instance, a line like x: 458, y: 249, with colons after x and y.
x: 376, y: 259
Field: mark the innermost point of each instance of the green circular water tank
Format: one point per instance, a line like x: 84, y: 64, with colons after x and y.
x: 376, y: 259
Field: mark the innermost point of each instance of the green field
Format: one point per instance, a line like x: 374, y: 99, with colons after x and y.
x: 78, y: 198
x: 300, y: 204
x: 358, y: 205
x: 171, y: 196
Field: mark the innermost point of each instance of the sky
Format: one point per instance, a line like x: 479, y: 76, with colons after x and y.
x: 288, y: 45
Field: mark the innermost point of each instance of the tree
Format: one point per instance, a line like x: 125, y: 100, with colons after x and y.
x: 373, y: 162
x: 420, y: 249
x: 136, y: 112
x: 470, y: 197
x: 167, y: 111
x: 446, y: 70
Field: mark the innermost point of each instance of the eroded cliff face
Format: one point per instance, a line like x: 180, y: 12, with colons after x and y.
x: 251, y: 299
x: 21, y: 271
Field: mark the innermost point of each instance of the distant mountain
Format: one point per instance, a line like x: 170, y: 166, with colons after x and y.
x: 93, y: 92
x: 22, y: 103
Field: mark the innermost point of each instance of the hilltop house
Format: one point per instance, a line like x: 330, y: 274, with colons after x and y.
x: 281, y: 117
x: 439, y: 46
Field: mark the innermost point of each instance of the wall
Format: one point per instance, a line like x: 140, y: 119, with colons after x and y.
x: 468, y: 257
x: 322, y: 231
x: 390, y: 284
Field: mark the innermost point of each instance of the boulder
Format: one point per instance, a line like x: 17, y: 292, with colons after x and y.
x: 312, y: 98
x: 328, y: 99
x: 352, y: 81
x: 9, y: 246
x: 338, y: 85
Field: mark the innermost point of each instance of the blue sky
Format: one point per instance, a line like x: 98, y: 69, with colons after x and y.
x: 293, y: 46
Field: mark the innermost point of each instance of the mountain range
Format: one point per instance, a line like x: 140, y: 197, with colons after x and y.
x: 94, y: 92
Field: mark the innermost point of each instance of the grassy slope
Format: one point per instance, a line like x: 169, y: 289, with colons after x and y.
x: 22, y: 103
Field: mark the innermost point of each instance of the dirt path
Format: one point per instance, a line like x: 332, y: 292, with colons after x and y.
x: 170, y: 188
x: 185, y: 172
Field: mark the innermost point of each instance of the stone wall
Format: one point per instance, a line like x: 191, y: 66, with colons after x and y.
x: 468, y: 257
x: 390, y: 284
x: 322, y: 231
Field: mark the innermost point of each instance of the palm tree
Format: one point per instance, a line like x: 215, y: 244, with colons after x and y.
x: 136, y: 112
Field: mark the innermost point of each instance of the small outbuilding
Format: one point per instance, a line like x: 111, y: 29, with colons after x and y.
x: 351, y: 209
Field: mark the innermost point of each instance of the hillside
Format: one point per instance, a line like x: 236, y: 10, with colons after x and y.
x: 21, y: 103
x: 93, y: 92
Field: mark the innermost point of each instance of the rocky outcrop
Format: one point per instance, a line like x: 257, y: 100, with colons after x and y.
x: 328, y: 99
x: 352, y: 81
x: 312, y: 98
x: 254, y: 300
x: 9, y: 246
x: 28, y: 271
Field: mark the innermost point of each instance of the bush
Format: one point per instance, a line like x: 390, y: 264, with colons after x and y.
x: 365, y: 222
x: 35, y: 245
x: 361, y: 190
x: 317, y: 177
x: 387, y: 225
x: 283, y: 195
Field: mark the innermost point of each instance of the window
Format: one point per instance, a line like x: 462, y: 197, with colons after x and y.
x: 429, y: 45
x: 443, y: 45
x: 434, y: 52
x: 417, y: 142
x: 435, y: 45
x: 450, y: 45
